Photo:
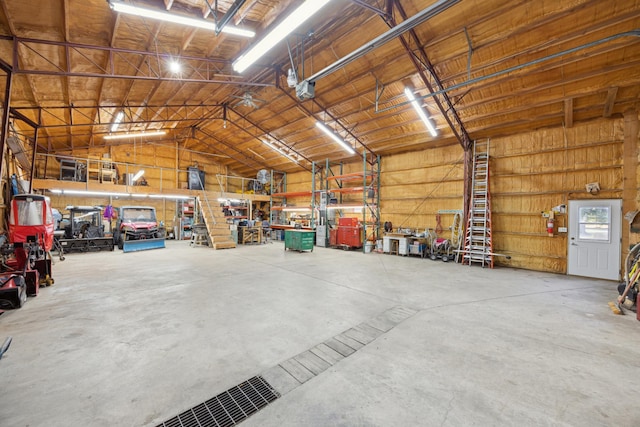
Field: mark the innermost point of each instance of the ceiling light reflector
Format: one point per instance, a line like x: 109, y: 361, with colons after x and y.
x: 282, y: 30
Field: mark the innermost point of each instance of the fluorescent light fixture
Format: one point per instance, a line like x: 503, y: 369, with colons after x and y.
x: 138, y: 175
x: 177, y: 19
x: 221, y: 200
x: 294, y: 209
x: 336, y: 138
x: 135, y: 134
x: 169, y: 196
x: 275, y: 36
x: 278, y: 150
x: 116, y: 121
x: 113, y: 194
x: 90, y: 193
x: 409, y: 94
x: 342, y: 207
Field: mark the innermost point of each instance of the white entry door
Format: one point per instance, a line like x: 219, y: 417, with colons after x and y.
x: 594, y: 238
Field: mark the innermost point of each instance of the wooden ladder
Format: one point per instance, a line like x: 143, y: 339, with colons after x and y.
x: 478, y: 243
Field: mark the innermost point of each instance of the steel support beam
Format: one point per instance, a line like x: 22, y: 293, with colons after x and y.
x: 136, y: 114
x: 79, y: 57
x: 332, y: 117
x: 247, y: 160
x: 368, y: 6
x: 431, y: 80
x: 6, y: 102
x: 264, y: 132
x: 32, y: 173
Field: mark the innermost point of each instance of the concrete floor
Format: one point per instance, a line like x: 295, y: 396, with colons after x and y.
x: 134, y: 339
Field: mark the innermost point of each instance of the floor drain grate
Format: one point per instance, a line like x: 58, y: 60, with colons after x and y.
x: 229, y: 407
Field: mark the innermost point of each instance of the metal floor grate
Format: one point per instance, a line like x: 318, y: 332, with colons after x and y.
x: 229, y: 407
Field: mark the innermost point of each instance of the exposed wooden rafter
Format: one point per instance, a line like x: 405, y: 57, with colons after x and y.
x: 610, y: 101
x: 568, y: 112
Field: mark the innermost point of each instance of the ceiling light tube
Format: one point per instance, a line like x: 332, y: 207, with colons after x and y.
x: 336, y: 138
x: 138, y: 175
x: 275, y: 36
x: 114, y: 194
x: 117, y: 120
x: 409, y: 94
x: 341, y: 207
x: 177, y: 19
x: 295, y: 209
x: 90, y: 193
x: 169, y: 196
x: 278, y: 150
x: 135, y: 134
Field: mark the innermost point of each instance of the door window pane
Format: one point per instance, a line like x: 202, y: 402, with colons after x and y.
x: 595, y: 223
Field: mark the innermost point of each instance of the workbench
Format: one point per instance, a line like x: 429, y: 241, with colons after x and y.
x: 249, y: 235
x: 299, y: 240
x: 396, y: 243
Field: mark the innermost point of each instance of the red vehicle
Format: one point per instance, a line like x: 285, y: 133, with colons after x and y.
x: 31, y: 217
x: 137, y: 229
x: 31, y: 236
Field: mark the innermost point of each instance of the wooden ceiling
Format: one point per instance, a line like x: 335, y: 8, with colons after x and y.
x: 498, y: 67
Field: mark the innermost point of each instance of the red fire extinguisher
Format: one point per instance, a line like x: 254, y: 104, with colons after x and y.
x: 550, y: 222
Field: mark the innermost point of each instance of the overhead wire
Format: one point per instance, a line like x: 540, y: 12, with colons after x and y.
x: 428, y: 196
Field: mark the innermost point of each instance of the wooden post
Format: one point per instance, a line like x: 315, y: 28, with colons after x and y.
x: 630, y: 173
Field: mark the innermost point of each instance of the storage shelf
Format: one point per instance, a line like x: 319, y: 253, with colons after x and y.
x: 352, y: 206
x: 351, y: 176
x: 349, y: 190
x: 292, y: 194
x: 185, y: 211
x: 292, y: 208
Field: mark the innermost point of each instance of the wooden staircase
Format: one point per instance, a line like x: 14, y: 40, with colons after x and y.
x: 218, y: 233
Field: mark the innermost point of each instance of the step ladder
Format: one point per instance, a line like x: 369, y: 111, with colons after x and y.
x: 199, y: 235
x: 478, y: 243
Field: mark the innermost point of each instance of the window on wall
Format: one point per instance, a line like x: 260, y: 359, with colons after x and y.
x: 595, y: 224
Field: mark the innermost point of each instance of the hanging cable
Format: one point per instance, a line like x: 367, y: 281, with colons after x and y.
x: 428, y: 196
x: 438, y: 224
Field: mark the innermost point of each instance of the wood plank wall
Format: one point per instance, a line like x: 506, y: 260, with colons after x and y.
x: 152, y: 159
x: 530, y: 173
x: 416, y: 185
x: 536, y: 171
